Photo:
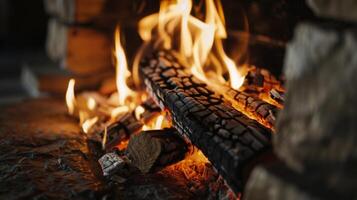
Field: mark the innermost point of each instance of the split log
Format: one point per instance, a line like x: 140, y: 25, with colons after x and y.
x: 121, y: 130
x: 262, y: 79
x: 227, y: 137
x: 155, y: 149
x: 80, y: 50
x: 129, y: 124
x: 251, y: 106
x: 277, y: 96
x: 260, y: 82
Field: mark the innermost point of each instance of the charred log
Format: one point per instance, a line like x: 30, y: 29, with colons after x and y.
x: 227, y: 137
x: 260, y: 82
x: 251, y: 106
x: 129, y: 124
x: 121, y: 130
x: 152, y: 150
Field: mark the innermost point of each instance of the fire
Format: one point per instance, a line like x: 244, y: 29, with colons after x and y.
x: 199, y: 44
x: 91, y: 103
x: 159, y: 122
x: 196, y: 41
x: 87, y: 124
x: 122, y: 72
x: 70, y: 98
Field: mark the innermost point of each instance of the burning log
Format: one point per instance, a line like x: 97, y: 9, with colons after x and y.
x: 260, y: 83
x: 148, y: 151
x: 121, y: 130
x: 155, y: 149
x: 251, y: 106
x: 129, y: 124
x: 277, y: 96
x: 227, y: 137
x: 262, y: 80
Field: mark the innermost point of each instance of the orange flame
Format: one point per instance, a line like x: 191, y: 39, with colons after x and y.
x: 122, y: 72
x: 70, y: 98
x: 197, y: 37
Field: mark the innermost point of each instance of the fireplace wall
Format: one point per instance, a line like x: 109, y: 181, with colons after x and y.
x: 316, y: 131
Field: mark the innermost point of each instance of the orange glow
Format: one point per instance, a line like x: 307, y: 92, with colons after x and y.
x: 122, y: 145
x: 157, y: 123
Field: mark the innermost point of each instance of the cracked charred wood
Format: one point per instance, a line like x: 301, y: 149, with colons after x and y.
x: 228, y: 138
x: 121, y: 130
x: 251, y: 106
x: 155, y: 149
x: 277, y: 96
x: 261, y: 80
x: 259, y: 83
x: 152, y: 110
x: 129, y: 124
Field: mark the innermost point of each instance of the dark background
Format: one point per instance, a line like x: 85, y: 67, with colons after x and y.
x: 22, y: 38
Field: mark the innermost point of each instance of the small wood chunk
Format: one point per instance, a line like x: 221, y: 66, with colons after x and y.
x: 277, y: 96
x: 155, y: 149
x: 111, y: 162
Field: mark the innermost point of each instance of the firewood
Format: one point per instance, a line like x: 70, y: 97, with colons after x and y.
x: 155, y: 149
x: 81, y: 50
x: 253, y: 107
x: 259, y: 83
x: 279, y: 97
x: 129, y: 124
x: 121, y: 130
x: 227, y: 137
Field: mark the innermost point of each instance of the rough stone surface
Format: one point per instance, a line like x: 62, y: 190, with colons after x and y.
x: 280, y: 183
x: 316, y: 131
x: 310, y: 46
x: 44, y: 155
x: 340, y: 9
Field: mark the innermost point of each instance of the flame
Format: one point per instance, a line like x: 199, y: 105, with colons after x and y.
x: 197, y: 38
x: 87, y: 124
x: 119, y: 110
x: 104, y: 139
x: 91, y: 103
x: 139, y: 111
x: 235, y: 77
x: 70, y: 97
x: 157, y: 123
x: 122, y: 72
